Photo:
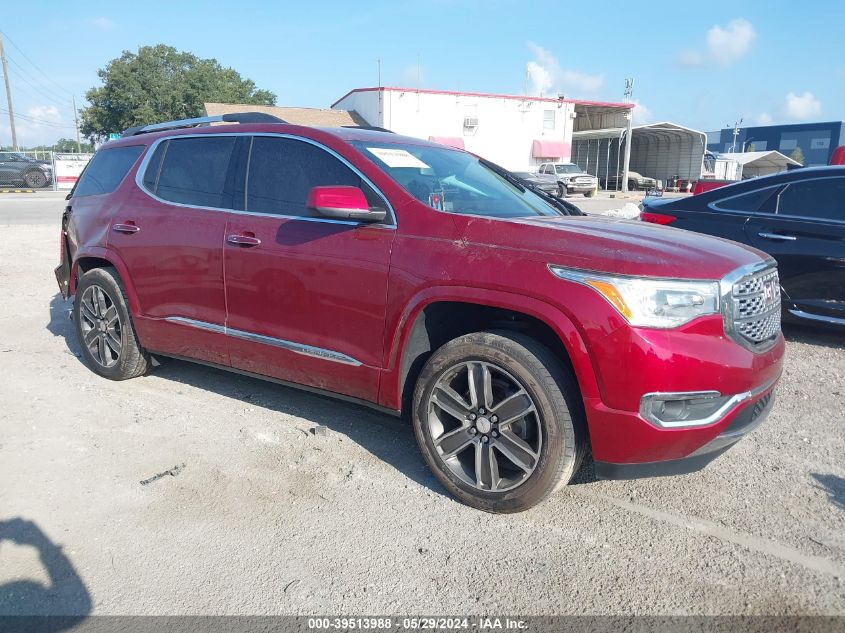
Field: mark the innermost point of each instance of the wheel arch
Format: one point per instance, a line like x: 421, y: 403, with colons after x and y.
x: 103, y: 258
x: 446, y: 314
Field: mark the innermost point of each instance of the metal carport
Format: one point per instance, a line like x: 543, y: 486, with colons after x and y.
x: 659, y: 150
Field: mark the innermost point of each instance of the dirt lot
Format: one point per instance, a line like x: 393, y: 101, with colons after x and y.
x: 267, y: 518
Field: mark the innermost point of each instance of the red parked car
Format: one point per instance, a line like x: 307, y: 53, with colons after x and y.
x: 420, y: 279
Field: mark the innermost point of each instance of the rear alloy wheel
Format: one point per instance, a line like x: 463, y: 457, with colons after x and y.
x: 104, y: 328
x: 493, y: 422
x: 35, y: 179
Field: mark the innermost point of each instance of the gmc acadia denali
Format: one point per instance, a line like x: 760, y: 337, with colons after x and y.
x: 420, y: 279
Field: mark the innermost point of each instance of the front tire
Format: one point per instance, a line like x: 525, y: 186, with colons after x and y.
x: 590, y: 193
x: 493, y: 416
x: 104, y: 328
x: 632, y: 185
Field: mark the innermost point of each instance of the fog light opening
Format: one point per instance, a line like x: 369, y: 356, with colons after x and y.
x: 671, y: 410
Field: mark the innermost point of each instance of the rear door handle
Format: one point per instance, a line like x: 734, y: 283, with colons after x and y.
x: 775, y: 236
x: 128, y: 228
x: 243, y: 240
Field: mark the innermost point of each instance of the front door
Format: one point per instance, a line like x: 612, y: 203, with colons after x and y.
x: 306, y: 295
x: 806, y: 236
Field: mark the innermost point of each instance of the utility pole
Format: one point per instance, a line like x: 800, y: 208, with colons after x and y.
x: 76, y: 123
x: 736, y: 134
x: 629, y: 115
x: 8, y: 96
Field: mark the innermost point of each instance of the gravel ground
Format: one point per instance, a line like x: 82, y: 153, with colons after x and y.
x: 268, y: 518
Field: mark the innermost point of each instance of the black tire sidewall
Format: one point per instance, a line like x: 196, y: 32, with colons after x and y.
x: 105, y: 279
x: 558, y: 445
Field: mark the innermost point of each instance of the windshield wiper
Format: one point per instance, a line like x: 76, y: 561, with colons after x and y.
x: 504, y: 173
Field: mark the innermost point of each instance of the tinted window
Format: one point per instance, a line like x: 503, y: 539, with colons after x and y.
x: 151, y: 173
x: 282, y: 171
x: 194, y: 171
x: 105, y: 171
x: 760, y: 201
x: 823, y: 198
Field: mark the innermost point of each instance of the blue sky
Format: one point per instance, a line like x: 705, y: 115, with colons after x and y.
x: 703, y: 65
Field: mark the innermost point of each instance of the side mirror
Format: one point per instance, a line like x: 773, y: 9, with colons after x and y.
x: 342, y: 202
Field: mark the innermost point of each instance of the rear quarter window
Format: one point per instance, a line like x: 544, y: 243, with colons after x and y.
x: 759, y: 201
x: 106, y: 170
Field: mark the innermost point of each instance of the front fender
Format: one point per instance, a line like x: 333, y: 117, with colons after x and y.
x: 390, y: 391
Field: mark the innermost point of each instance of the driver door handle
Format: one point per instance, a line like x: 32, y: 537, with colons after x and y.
x: 780, y: 238
x: 243, y: 240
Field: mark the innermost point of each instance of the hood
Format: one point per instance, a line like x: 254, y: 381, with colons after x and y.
x: 627, y: 247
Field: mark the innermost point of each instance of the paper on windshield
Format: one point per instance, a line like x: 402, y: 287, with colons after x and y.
x: 397, y: 157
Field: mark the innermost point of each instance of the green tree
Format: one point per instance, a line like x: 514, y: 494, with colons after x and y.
x: 159, y: 83
x: 67, y: 145
x: 797, y: 155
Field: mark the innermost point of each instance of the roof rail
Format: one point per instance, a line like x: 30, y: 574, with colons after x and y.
x: 235, y: 117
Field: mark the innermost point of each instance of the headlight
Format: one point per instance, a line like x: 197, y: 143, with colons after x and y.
x: 654, y: 303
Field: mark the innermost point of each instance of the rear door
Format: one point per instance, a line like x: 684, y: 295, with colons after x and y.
x: 806, y: 236
x: 169, y: 232
x: 306, y: 295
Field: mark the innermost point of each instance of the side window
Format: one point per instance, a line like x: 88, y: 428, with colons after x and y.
x: 106, y: 170
x: 195, y: 170
x: 154, y: 166
x: 282, y: 171
x: 760, y: 201
x: 823, y: 198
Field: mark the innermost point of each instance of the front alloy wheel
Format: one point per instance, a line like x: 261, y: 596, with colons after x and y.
x: 496, y: 417
x: 485, y: 426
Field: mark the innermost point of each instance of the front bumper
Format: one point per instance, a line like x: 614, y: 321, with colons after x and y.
x: 581, y: 187
x: 745, y: 420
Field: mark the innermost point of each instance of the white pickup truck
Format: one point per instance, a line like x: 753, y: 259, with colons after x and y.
x: 571, y: 178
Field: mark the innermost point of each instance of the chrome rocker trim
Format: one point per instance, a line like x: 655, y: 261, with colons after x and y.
x: 299, y: 348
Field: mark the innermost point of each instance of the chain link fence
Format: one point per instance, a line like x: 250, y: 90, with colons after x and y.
x: 41, y: 169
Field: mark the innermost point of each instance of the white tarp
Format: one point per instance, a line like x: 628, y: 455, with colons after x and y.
x: 67, y: 168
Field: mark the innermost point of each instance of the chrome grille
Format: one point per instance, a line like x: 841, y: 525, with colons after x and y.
x: 755, y: 309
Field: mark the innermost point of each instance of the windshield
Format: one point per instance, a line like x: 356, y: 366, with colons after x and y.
x: 454, y: 181
x: 568, y: 169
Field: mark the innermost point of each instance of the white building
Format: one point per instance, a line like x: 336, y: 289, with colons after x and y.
x: 517, y: 132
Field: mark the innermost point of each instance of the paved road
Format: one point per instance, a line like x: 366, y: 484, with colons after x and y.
x: 41, y: 207
x: 268, y: 518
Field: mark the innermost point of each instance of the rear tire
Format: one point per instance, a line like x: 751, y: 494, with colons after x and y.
x: 35, y: 179
x: 498, y: 398
x: 104, y: 328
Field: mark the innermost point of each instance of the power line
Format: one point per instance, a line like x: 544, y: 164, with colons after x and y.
x: 41, y: 92
x: 34, y: 65
x: 31, y: 119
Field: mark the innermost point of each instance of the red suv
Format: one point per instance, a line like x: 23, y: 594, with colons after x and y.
x: 420, y: 279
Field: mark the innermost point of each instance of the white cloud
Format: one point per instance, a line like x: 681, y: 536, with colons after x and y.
x: 765, y: 119
x: 547, y: 76
x: 722, y: 45
x: 48, y: 114
x: 36, y: 125
x: 642, y: 114
x: 102, y: 23
x: 802, y: 107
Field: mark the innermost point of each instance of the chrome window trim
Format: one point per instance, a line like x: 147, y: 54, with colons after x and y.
x: 715, y: 205
x: 139, y: 178
x: 299, y: 348
x: 713, y: 418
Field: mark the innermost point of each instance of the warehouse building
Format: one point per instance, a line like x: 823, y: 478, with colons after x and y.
x: 816, y: 141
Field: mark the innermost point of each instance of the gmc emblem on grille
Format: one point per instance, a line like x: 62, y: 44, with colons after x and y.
x: 770, y: 291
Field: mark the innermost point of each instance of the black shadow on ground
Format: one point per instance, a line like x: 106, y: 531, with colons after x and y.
x: 66, y: 595
x: 834, y: 486
x: 822, y: 336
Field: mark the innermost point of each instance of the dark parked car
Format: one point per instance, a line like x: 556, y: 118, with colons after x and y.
x: 798, y: 217
x: 19, y: 169
x: 421, y: 280
x: 543, y: 182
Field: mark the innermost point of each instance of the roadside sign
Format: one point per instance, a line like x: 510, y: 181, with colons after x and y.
x: 67, y: 168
